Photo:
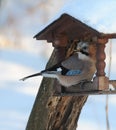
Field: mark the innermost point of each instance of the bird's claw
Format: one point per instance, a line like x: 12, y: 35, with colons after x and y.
x: 83, y: 82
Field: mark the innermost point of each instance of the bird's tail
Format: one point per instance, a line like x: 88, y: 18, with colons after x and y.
x: 49, y: 74
x: 33, y: 75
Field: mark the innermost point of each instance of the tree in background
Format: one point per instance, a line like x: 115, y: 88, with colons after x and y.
x: 20, y: 19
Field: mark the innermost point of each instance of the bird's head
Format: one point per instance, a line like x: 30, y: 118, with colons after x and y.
x: 86, y: 50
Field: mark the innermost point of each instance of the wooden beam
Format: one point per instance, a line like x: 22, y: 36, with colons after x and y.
x: 108, y: 36
x: 87, y: 88
x: 86, y: 93
x: 113, y: 83
x: 59, y: 40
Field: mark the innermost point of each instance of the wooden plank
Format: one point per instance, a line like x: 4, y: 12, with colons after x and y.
x: 108, y: 36
x: 86, y: 88
x: 93, y: 92
x: 113, y: 83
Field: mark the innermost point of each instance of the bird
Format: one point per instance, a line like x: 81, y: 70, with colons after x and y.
x: 78, y: 67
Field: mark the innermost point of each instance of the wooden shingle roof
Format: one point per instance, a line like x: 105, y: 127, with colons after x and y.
x: 68, y: 25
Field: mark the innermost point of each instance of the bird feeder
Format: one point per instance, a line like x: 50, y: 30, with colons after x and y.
x: 65, y: 29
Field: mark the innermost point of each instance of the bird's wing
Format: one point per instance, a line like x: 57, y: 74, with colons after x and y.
x: 73, y: 63
x: 70, y: 66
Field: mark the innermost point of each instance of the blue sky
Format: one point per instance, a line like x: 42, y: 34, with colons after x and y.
x: 31, y: 56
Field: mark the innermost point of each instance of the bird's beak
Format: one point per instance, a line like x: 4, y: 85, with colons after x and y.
x: 77, y: 50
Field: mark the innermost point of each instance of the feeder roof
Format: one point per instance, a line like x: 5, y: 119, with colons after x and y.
x: 68, y: 25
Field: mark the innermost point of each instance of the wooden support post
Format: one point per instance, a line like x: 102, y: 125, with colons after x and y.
x: 60, y: 55
x: 101, y: 80
x: 59, y: 43
x: 59, y: 40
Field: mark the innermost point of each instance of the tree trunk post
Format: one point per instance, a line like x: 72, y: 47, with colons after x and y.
x: 54, y: 112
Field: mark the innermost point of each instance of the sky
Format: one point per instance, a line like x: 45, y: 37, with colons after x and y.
x: 30, y: 56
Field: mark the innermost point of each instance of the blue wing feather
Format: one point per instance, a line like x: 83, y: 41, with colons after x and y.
x: 73, y: 72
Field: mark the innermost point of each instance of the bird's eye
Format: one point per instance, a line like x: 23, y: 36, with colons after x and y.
x: 84, y: 47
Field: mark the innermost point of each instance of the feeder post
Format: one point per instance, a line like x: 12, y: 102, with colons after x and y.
x: 101, y: 81
x: 59, y: 43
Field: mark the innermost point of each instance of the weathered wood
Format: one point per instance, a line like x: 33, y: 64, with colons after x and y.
x: 39, y: 114
x: 87, y: 88
x: 60, y: 55
x: 54, y: 112
x: 108, y: 36
x: 60, y: 40
x: 87, y: 93
x: 113, y: 83
x: 66, y: 113
x: 72, y: 27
